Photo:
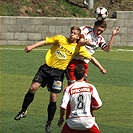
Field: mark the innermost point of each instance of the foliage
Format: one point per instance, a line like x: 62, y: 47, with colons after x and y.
x: 8, y: 9
x: 59, y: 8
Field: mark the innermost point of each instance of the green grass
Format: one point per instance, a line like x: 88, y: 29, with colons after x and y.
x: 51, y: 8
x: 8, y: 9
x: 57, y: 8
x: 17, y: 69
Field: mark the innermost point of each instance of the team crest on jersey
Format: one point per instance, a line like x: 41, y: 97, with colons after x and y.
x: 60, y: 54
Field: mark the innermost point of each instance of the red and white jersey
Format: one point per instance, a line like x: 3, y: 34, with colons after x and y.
x: 79, y: 98
x: 98, y: 41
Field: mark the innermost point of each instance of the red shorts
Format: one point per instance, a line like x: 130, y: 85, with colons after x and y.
x: 70, y: 69
x: 67, y: 129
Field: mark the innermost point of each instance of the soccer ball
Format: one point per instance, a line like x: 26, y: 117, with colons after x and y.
x: 101, y: 13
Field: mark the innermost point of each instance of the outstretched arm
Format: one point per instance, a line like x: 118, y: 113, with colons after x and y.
x: 61, y: 119
x: 31, y: 47
x: 97, y: 64
x: 109, y: 46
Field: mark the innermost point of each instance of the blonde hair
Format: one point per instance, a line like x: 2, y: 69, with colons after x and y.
x: 76, y: 28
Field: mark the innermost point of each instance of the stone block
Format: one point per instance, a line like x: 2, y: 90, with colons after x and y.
x: 21, y: 36
x: 28, y: 28
x: 22, y: 20
x: 8, y: 36
x: 41, y: 29
x: 123, y: 15
x: 58, y: 29
x: 34, y: 36
x: 63, y: 21
x: 49, y: 21
x: 36, y: 20
x: 129, y: 23
x: 51, y: 29
x: 13, y: 28
x: 119, y: 22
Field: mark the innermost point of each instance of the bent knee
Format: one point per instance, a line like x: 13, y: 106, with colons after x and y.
x: 34, y: 87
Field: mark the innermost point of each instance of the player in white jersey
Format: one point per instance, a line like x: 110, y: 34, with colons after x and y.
x: 93, y: 40
x: 79, y: 101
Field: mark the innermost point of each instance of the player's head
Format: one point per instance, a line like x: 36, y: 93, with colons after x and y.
x: 79, y: 71
x: 77, y: 29
x: 99, y: 27
x: 74, y: 33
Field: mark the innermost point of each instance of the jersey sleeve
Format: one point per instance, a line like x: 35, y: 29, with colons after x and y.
x: 52, y: 40
x: 85, y: 30
x: 65, y: 99
x: 96, y: 101
x: 101, y: 42
x: 84, y: 53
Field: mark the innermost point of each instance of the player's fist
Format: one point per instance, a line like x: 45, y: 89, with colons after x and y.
x: 103, y: 71
x: 60, y: 122
x: 28, y: 49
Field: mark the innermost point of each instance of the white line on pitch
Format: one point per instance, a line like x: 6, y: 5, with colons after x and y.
x: 47, y: 49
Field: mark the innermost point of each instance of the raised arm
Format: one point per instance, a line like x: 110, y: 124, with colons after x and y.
x: 31, y: 47
x: 109, y: 46
x: 97, y: 64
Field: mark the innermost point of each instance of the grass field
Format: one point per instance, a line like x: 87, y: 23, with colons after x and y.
x: 17, y: 69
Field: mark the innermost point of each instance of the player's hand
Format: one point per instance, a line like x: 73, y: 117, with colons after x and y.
x: 103, y: 71
x: 90, y: 43
x: 115, y: 31
x: 60, y: 122
x: 28, y: 49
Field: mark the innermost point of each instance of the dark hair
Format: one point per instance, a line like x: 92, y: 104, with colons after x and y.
x: 79, y: 71
x: 76, y: 28
x: 102, y: 24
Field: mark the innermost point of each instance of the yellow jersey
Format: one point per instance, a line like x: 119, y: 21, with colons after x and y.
x: 62, y: 52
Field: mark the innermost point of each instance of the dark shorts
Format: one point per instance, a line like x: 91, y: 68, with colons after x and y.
x: 50, y: 77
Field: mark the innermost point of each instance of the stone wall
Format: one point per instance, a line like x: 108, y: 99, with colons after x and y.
x: 27, y: 30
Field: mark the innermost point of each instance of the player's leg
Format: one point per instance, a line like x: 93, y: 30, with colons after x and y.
x: 51, y: 109
x: 94, y: 129
x: 66, y: 129
x: 55, y: 87
x: 38, y: 81
x: 30, y: 95
x: 70, y: 71
x: 86, y: 69
x: 27, y: 100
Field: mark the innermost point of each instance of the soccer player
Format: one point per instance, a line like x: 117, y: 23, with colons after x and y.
x: 93, y: 40
x: 78, y: 102
x: 51, y: 74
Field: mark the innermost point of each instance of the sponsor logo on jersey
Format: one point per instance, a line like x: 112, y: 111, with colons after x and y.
x: 65, y: 49
x: 79, y: 90
x: 60, y: 54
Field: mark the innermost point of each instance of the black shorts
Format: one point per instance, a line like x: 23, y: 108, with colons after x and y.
x: 50, y: 77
